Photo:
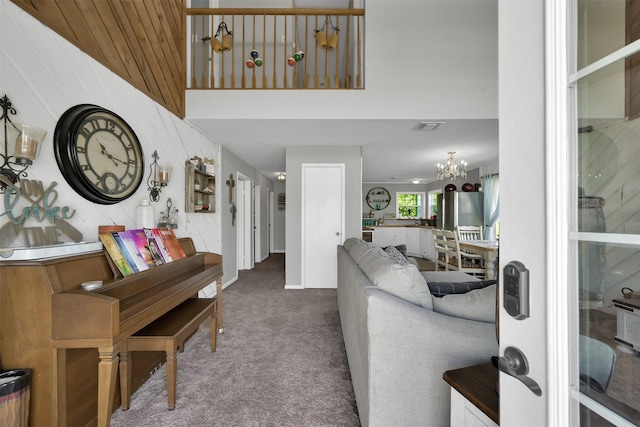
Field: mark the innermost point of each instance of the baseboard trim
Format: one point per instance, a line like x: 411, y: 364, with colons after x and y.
x: 293, y: 287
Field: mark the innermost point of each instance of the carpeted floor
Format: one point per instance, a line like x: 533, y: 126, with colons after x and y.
x: 281, y: 362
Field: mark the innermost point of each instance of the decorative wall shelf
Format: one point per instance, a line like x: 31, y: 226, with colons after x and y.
x: 200, y: 190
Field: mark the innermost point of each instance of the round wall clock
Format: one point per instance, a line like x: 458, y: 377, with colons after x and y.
x: 378, y: 198
x: 98, y: 154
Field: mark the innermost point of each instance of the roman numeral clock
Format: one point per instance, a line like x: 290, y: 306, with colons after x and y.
x: 98, y: 154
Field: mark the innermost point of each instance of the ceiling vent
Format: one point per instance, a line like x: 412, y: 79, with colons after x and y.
x: 428, y: 126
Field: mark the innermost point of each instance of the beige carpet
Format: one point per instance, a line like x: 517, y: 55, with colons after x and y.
x: 280, y: 362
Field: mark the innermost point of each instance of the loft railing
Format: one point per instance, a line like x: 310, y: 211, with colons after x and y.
x: 234, y: 48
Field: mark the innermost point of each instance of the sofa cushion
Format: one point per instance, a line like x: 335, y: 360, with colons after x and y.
x: 401, y: 280
x: 350, y: 242
x: 360, y: 250
x: 440, y: 289
x: 396, y: 255
x: 479, y: 304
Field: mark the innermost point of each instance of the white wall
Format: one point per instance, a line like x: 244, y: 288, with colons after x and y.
x: 232, y: 165
x: 44, y: 75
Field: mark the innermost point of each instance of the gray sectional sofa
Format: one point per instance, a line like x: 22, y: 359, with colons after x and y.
x: 400, y: 339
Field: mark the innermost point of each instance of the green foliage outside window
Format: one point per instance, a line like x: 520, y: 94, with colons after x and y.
x: 409, y: 205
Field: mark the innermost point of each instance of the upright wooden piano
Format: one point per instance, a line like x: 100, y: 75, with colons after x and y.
x: 71, y: 337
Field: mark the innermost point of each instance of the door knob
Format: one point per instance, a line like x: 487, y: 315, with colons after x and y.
x: 515, y: 363
x: 338, y: 233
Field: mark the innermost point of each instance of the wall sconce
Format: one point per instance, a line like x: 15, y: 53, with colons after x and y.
x: 22, y: 140
x: 159, y: 176
x: 282, y: 177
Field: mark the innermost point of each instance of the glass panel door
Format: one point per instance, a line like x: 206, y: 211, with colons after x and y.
x: 605, y: 230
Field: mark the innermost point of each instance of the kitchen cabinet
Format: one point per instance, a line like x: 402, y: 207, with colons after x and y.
x: 413, y: 241
x: 385, y: 236
x: 410, y: 236
x: 427, y: 248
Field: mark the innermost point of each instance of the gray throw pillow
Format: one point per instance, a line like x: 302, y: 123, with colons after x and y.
x: 479, y: 304
x: 401, y: 280
x: 440, y: 289
x: 396, y: 255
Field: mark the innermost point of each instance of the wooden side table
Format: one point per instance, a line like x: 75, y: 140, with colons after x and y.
x: 474, y: 400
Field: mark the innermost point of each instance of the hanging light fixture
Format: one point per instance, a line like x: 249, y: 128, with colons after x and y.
x: 282, y: 177
x: 22, y: 145
x: 452, y: 168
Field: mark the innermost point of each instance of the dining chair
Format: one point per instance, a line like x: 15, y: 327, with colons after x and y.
x: 441, y: 260
x: 460, y: 260
x: 469, y: 232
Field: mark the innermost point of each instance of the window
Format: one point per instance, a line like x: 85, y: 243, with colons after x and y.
x: 410, y: 205
x: 432, y: 207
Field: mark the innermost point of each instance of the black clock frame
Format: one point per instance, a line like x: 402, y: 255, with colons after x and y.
x: 378, y: 206
x: 64, y: 143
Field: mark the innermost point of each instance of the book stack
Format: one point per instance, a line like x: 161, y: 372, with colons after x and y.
x: 138, y: 250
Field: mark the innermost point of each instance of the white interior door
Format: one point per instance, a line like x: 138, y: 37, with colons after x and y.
x: 257, y: 230
x: 244, y: 223
x: 322, y: 223
x: 272, y: 216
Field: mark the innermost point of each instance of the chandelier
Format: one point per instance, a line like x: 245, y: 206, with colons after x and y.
x: 452, y: 169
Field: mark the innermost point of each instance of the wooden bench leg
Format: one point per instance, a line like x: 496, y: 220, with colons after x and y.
x: 219, y: 307
x: 172, y: 373
x: 214, y: 326
x: 125, y: 376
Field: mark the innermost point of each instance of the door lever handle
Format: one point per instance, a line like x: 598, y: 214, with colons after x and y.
x: 515, y: 363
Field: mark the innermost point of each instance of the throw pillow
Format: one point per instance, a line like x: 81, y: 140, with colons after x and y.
x: 479, y: 305
x: 396, y: 255
x: 440, y: 289
x: 401, y: 248
x: 401, y: 280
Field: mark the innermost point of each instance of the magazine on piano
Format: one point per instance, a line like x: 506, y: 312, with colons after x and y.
x: 140, y: 239
x: 132, y: 248
x: 125, y: 252
x: 170, y: 242
x: 114, y: 252
x: 161, y: 244
x: 153, y: 247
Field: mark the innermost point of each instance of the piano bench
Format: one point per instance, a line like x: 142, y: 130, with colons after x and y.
x: 168, y: 333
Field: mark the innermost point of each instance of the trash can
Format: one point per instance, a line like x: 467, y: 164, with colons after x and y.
x: 15, y: 391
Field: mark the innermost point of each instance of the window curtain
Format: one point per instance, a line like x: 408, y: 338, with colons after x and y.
x: 490, y: 186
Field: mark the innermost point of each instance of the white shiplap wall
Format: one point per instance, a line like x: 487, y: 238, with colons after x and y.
x: 44, y: 75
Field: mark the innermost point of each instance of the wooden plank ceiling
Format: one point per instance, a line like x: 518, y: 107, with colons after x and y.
x: 141, y: 41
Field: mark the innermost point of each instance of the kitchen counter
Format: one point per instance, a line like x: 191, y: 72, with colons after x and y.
x: 417, y: 238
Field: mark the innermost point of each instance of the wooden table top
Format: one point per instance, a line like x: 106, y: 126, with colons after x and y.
x: 482, y: 245
x: 478, y: 385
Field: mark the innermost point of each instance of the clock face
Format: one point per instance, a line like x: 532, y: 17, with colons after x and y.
x: 98, y: 154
